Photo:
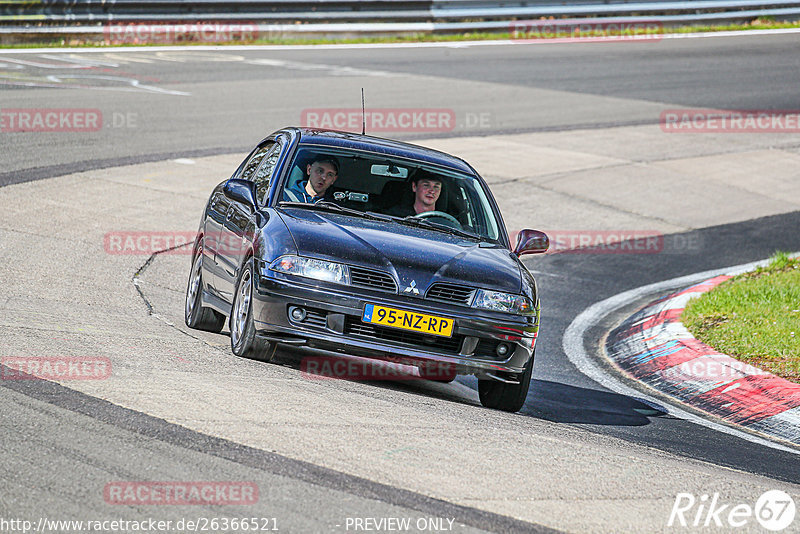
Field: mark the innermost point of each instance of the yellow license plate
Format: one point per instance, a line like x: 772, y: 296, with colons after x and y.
x: 406, y: 320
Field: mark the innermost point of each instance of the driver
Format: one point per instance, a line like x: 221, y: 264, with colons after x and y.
x: 426, y: 188
x: 320, y: 175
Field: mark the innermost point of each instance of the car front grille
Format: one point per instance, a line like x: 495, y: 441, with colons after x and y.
x: 354, y: 327
x: 451, y: 293
x: 314, y: 319
x: 378, y: 280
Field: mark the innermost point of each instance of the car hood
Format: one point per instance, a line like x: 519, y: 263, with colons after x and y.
x: 409, y: 253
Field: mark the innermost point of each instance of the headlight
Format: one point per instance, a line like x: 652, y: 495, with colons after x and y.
x: 503, y: 302
x: 326, y: 271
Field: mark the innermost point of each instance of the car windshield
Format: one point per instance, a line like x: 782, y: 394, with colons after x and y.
x: 402, y: 191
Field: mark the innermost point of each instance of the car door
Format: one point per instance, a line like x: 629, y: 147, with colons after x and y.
x: 219, y: 207
x: 235, y: 235
x: 216, y: 214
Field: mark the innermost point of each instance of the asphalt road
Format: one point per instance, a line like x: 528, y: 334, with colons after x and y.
x: 576, y: 281
x: 228, y: 99
x: 188, y: 104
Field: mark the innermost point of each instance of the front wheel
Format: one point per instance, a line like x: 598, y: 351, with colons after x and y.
x: 244, y: 341
x: 506, y: 397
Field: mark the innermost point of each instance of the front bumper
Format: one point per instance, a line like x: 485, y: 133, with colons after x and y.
x: 333, y: 324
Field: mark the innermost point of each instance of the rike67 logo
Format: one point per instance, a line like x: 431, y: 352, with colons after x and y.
x: 774, y: 510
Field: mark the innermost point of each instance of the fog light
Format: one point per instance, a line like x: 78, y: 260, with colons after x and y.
x: 298, y: 314
x: 503, y: 349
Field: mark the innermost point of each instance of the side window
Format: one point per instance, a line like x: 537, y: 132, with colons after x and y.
x: 264, y: 173
x: 252, y: 165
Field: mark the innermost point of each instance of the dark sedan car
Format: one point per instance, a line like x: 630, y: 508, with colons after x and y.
x: 351, y: 244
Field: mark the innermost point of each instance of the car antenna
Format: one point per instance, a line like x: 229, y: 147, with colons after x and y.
x: 363, y: 114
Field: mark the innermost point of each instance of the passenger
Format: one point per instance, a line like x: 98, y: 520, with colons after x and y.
x: 321, y: 173
x: 426, y: 188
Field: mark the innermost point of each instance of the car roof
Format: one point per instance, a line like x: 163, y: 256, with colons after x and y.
x: 314, y: 136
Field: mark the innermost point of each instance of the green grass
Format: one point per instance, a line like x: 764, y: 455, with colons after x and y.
x: 754, y: 317
x: 764, y: 23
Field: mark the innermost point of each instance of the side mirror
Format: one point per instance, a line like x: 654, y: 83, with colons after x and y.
x: 242, y: 191
x: 531, y: 242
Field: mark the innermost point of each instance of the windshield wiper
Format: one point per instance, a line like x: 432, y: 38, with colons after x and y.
x: 416, y: 221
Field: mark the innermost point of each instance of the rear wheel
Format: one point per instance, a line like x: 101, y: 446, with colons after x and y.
x: 506, y: 397
x: 195, y: 315
x: 244, y: 341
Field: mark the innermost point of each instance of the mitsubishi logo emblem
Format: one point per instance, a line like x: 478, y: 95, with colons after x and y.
x: 412, y: 288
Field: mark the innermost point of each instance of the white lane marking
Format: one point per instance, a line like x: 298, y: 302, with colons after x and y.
x: 336, y: 70
x: 135, y: 85
x: 72, y: 62
x: 129, y: 58
x: 42, y: 84
x: 81, y: 60
x: 167, y: 55
x: 732, y: 33
x: 575, y: 351
x: 184, y: 161
x: 63, y: 63
x: 356, y: 46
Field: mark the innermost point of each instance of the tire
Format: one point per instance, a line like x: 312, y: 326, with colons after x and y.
x: 195, y: 315
x: 506, y: 397
x: 244, y: 342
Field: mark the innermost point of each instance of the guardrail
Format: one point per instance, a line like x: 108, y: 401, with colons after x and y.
x: 304, y: 11
x: 50, y: 18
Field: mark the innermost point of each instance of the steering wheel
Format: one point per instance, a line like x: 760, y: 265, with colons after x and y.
x: 443, y: 215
